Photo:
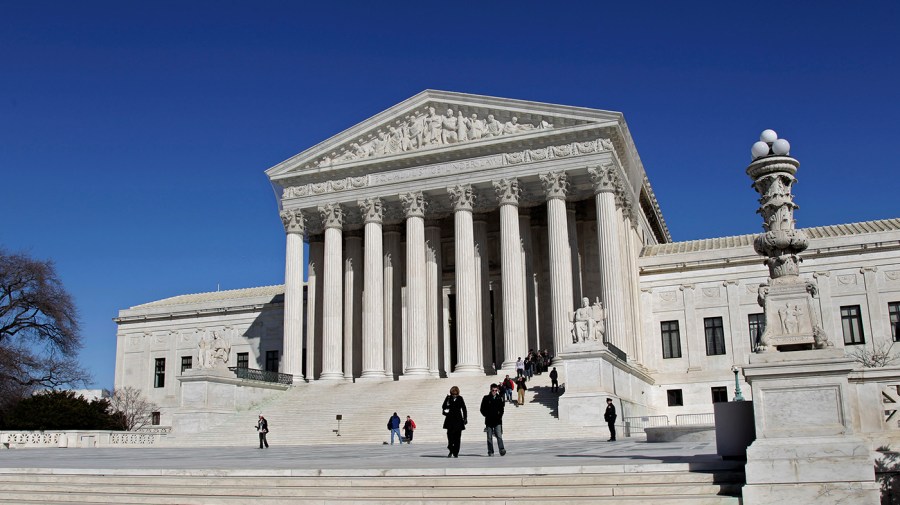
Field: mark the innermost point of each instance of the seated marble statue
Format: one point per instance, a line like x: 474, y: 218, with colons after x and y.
x: 588, y: 322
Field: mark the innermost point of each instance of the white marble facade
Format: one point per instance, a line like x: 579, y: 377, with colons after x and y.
x: 452, y: 233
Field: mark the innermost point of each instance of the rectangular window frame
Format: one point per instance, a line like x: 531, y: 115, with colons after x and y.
x: 154, y: 418
x: 243, y: 360
x: 159, y: 373
x: 187, y: 363
x: 272, y: 361
x: 714, y: 331
x: 894, y: 318
x: 852, y: 325
x: 719, y: 394
x: 756, y: 325
x: 671, y: 339
x: 675, y: 397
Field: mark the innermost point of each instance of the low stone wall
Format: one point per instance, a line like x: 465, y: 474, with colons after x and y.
x: 695, y: 433
x: 79, y: 439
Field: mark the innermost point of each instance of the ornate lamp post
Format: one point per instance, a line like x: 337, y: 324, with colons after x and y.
x: 791, y: 321
x: 738, y: 396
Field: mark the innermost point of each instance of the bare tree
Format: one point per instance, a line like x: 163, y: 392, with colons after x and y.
x: 39, y: 335
x: 878, y: 356
x: 134, y: 410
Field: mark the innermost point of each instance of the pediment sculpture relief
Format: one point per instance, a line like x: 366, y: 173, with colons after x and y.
x: 429, y: 128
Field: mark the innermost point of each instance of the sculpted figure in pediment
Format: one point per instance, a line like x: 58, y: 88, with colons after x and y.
x: 493, y: 128
x: 433, y: 127
x: 462, y: 131
x: 448, y: 128
x: 474, y: 127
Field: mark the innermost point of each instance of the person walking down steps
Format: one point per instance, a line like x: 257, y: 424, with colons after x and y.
x: 262, y: 427
x: 492, y: 409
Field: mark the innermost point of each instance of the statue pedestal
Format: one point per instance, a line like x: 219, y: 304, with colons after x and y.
x: 210, y: 395
x: 791, y: 319
x: 805, y: 449
x: 593, y: 374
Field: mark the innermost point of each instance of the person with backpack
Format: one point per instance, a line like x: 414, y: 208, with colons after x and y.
x: 393, y: 425
x: 408, y: 427
x: 262, y: 427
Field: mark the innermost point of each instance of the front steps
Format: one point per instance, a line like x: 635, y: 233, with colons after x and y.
x: 713, y: 483
x: 305, y: 414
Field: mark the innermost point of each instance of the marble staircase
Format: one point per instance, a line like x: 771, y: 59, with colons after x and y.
x: 305, y: 414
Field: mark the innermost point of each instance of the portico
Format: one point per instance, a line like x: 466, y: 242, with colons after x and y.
x: 478, y: 237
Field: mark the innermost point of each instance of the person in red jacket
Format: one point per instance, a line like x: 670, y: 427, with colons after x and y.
x: 408, y: 428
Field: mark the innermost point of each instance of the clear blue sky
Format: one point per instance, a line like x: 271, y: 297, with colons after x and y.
x: 133, y: 138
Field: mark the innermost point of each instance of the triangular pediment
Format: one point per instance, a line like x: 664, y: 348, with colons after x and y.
x: 441, y: 123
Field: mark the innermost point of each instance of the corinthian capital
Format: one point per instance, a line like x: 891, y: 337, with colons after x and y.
x: 413, y: 204
x: 332, y: 215
x: 556, y: 185
x: 293, y: 221
x: 372, y: 210
x: 462, y: 196
x: 604, y: 178
x: 507, y: 191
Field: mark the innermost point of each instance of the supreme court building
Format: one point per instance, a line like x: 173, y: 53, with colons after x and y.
x: 452, y: 233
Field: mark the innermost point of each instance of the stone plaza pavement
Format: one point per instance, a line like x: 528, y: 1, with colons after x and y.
x: 473, y: 454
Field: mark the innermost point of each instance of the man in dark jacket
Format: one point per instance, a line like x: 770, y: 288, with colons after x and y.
x: 554, y: 380
x: 610, y: 417
x: 393, y: 424
x: 492, y: 410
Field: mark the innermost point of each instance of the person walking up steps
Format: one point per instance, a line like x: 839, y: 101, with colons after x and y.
x: 262, y: 427
x: 492, y: 409
x: 393, y: 424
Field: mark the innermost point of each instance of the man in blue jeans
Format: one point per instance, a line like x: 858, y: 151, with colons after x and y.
x: 394, y: 425
x: 492, y: 409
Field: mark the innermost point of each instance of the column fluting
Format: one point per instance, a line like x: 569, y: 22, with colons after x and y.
x: 373, y: 292
x: 417, y: 347
x: 463, y: 198
x: 292, y: 347
x: 515, y: 335
x: 332, y: 309
x: 606, y: 182
x: 352, y: 303
x: 434, y: 310
x: 392, y: 301
x: 556, y: 187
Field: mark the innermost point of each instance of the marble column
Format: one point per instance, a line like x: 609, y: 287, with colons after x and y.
x: 392, y: 304
x: 332, y: 308
x: 529, y: 293
x: 416, y: 310
x: 572, y: 222
x: 556, y: 186
x: 292, y: 350
x: 467, y: 323
x: 606, y: 182
x: 352, y: 301
x: 434, y: 311
x: 515, y: 334
x: 483, y: 292
x: 314, y: 280
x: 373, y: 291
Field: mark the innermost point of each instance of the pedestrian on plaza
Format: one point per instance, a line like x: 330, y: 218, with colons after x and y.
x: 455, y: 419
x: 610, y: 417
x: 492, y: 410
x: 393, y: 425
x: 520, y: 367
x: 554, y: 380
x: 520, y: 389
x: 262, y: 427
x: 408, y: 427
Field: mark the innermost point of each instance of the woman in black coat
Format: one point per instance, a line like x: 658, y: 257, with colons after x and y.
x: 455, y: 418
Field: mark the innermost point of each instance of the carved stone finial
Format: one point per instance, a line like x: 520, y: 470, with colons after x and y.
x: 332, y: 215
x: 604, y: 178
x: 507, y: 191
x: 556, y: 185
x: 462, y: 196
x: 372, y: 210
x: 413, y: 204
x: 293, y: 221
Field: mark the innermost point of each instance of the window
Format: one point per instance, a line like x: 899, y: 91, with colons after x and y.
x: 719, y: 394
x: 154, y: 418
x: 851, y: 322
x: 159, y: 374
x: 671, y: 339
x: 757, y: 323
x: 715, y: 336
x: 243, y: 360
x: 675, y: 398
x: 894, y: 311
x: 271, y: 361
x: 187, y: 362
